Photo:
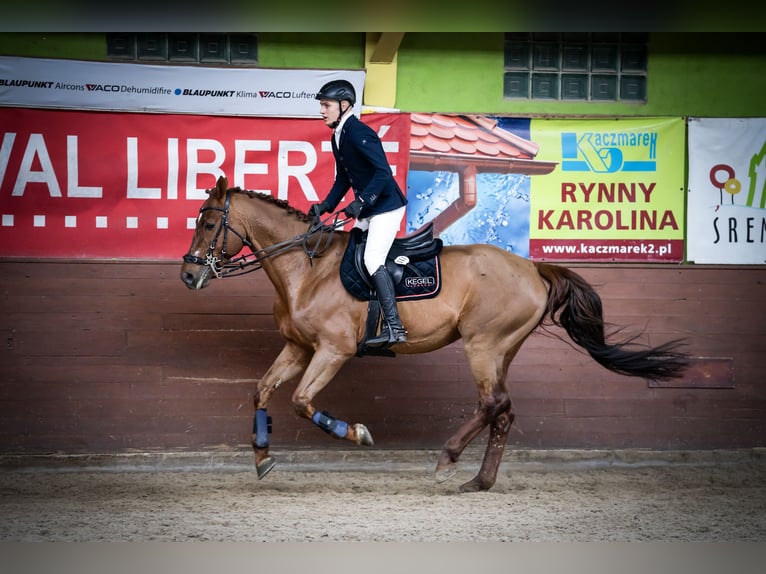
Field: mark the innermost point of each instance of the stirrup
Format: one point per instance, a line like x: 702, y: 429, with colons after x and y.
x: 387, y: 337
x: 380, y: 340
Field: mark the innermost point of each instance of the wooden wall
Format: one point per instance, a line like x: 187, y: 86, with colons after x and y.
x: 111, y: 357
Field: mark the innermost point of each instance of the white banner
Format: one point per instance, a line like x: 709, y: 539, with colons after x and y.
x: 82, y: 85
x: 726, y: 205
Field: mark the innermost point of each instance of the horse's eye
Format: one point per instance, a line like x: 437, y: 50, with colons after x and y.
x: 209, y: 226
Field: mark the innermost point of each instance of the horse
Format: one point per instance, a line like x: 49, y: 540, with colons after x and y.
x: 490, y: 298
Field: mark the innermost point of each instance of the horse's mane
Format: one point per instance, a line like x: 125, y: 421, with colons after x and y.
x: 281, y: 203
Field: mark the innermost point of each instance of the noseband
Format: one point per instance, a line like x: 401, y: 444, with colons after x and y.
x: 252, y: 261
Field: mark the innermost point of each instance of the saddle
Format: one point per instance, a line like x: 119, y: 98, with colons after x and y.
x: 414, y: 265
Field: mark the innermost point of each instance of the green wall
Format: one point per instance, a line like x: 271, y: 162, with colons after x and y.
x: 690, y: 74
x: 57, y: 45
x: 311, y: 50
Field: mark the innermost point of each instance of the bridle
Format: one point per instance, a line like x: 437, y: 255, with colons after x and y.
x: 314, y: 242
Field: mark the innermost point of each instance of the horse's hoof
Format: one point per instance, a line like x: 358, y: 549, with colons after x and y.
x: 474, y: 485
x: 264, y: 467
x: 363, y: 436
x: 444, y: 474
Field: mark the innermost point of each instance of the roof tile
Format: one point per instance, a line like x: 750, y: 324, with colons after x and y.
x: 466, y: 135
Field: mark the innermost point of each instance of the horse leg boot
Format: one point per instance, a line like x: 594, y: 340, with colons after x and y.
x: 261, y: 430
x: 393, y: 331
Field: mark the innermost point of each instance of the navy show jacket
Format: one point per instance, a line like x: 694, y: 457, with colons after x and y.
x: 361, y: 165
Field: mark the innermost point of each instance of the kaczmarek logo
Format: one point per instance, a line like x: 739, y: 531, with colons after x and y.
x: 609, y: 152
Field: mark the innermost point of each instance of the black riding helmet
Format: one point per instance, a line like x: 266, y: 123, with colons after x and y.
x: 337, y: 90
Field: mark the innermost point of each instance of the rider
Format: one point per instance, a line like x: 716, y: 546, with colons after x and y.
x: 378, y: 204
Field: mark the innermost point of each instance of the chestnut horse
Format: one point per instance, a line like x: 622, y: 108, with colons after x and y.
x: 490, y: 298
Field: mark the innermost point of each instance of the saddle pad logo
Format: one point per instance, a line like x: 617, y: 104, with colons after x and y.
x: 419, y: 282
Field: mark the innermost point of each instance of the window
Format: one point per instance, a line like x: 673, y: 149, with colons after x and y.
x: 575, y: 66
x: 186, y: 48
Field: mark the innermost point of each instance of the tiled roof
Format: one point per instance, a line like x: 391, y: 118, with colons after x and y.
x: 467, y: 135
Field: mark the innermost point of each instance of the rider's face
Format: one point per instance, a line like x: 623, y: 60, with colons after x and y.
x: 330, y: 110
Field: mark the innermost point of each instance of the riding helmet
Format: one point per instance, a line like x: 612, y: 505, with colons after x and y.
x: 337, y: 90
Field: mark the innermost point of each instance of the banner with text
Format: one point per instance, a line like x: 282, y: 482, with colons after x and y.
x: 84, y: 85
x: 727, y: 191
x: 617, y: 193
x: 76, y: 184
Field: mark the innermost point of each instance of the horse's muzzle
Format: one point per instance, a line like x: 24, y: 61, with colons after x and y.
x: 199, y: 280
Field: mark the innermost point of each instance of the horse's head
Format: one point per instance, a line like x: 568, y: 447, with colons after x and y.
x: 216, y: 239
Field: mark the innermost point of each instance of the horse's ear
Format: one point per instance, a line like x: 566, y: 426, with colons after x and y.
x: 220, y: 186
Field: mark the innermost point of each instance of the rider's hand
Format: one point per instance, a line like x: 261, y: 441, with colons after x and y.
x: 353, y: 209
x: 317, y: 209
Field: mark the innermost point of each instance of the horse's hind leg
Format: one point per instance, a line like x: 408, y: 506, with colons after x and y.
x: 446, y: 466
x: 498, y: 434
x: 493, y: 456
x: 494, y: 410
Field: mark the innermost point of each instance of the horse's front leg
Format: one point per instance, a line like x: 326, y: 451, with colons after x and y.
x: 324, y: 365
x: 290, y: 363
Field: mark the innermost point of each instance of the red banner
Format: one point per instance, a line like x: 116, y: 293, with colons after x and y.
x: 98, y: 185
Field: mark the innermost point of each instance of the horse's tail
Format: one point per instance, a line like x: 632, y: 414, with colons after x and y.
x: 574, y: 305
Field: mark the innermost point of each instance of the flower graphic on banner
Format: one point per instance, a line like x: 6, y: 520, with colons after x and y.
x: 724, y: 178
x: 731, y: 185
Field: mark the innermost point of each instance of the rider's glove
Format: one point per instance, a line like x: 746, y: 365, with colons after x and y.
x: 317, y: 209
x: 353, y: 209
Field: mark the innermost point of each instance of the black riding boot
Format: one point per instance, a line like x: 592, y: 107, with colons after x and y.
x: 393, y: 331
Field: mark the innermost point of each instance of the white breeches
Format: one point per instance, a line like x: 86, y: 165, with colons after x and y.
x: 381, y: 232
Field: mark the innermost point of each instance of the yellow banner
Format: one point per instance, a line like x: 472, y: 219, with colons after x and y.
x: 617, y: 193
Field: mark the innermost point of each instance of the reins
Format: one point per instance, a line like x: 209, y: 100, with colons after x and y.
x: 314, y: 242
